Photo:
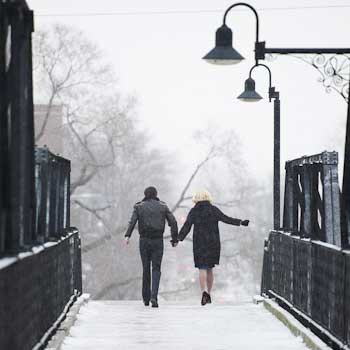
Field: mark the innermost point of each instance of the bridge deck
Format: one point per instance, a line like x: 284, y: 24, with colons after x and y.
x: 121, y: 325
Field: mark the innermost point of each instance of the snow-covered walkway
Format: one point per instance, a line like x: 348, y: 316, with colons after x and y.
x: 120, y: 325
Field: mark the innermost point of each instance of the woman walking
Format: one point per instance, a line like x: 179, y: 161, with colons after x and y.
x: 206, y: 238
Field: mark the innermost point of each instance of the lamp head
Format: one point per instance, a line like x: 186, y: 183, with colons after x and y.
x: 223, y: 53
x: 249, y: 94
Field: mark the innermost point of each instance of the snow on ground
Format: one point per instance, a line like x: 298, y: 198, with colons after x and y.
x: 120, y: 325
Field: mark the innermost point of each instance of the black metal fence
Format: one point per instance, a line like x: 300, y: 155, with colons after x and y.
x: 39, y: 280
x: 304, y: 266
x: 52, y: 187
x: 312, y: 198
x: 312, y: 277
x: 40, y: 255
x: 35, y: 288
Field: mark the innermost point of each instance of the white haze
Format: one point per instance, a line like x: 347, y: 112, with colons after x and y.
x: 158, y: 59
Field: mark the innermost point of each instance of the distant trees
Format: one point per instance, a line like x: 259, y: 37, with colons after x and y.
x: 69, y: 71
x: 112, y: 163
x: 224, y: 172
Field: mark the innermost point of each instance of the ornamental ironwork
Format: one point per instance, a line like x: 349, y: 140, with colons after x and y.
x: 334, y: 70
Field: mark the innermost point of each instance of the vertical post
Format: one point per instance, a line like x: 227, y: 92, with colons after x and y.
x: 306, y: 215
x: 331, y: 204
x: 42, y: 192
x: 336, y: 206
x: 3, y: 127
x: 29, y: 29
x: 345, y: 199
x: 276, y: 165
x: 62, y: 195
x: 53, y: 198
x: 327, y: 203
x: 20, y: 176
x: 288, y: 199
x: 316, y: 206
x: 67, y: 196
x: 17, y: 139
x: 296, y: 201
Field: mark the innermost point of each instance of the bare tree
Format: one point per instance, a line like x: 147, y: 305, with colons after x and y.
x: 224, y: 172
x: 112, y: 162
x: 69, y: 70
x: 67, y: 66
x: 110, y: 156
x: 216, y: 146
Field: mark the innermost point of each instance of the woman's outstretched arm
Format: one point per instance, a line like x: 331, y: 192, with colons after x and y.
x: 186, y: 228
x: 227, y: 219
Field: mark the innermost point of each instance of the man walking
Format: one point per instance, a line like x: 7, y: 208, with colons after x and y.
x: 151, y: 214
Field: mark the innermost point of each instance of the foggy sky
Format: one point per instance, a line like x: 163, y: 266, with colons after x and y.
x: 158, y: 58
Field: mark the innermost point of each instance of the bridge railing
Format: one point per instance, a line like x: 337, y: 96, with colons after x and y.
x: 312, y: 198
x: 52, y: 187
x: 35, y: 287
x: 305, y: 267
x: 312, y: 279
x: 40, y: 279
x: 40, y: 255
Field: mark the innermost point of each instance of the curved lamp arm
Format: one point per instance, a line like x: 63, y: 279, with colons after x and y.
x: 272, y: 91
x: 251, y: 8
x: 268, y: 69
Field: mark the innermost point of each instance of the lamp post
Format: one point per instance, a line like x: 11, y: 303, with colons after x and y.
x: 250, y: 95
x: 224, y: 53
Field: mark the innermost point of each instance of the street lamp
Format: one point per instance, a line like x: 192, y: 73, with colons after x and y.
x: 224, y: 44
x: 223, y: 53
x: 223, y: 41
x: 250, y: 95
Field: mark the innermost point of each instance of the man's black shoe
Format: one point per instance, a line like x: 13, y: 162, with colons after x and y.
x: 205, y: 298
x: 146, y: 303
x: 154, y: 303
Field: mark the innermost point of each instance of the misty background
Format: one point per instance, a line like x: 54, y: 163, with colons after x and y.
x: 121, y: 89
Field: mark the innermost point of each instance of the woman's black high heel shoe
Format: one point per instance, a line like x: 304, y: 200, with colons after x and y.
x: 208, y: 298
x: 205, y: 298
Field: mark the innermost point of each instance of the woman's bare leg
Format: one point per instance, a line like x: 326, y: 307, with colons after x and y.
x: 202, y: 279
x: 210, y: 279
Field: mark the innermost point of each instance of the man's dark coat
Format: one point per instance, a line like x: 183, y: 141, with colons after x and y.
x: 151, y: 215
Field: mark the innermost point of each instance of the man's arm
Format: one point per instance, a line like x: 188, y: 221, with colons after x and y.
x: 132, y: 223
x: 173, y: 225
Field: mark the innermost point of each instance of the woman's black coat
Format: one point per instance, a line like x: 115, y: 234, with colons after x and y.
x: 206, y: 237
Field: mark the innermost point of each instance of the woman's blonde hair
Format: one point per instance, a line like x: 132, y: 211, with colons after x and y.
x: 201, y: 196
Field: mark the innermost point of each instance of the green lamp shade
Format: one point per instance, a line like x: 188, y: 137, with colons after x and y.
x: 223, y: 53
x: 249, y: 94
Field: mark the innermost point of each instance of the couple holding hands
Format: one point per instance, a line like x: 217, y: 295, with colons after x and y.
x: 151, y: 215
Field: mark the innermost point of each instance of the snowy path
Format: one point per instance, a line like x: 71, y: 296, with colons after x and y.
x: 120, y: 325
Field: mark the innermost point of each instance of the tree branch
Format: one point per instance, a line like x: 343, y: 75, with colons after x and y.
x: 46, y: 119
x: 189, y: 182
x: 83, y: 178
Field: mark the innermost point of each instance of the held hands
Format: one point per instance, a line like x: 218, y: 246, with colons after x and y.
x: 126, y: 241
x: 174, y: 243
x: 245, y: 222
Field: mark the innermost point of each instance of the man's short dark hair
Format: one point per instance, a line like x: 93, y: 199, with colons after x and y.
x: 151, y: 192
